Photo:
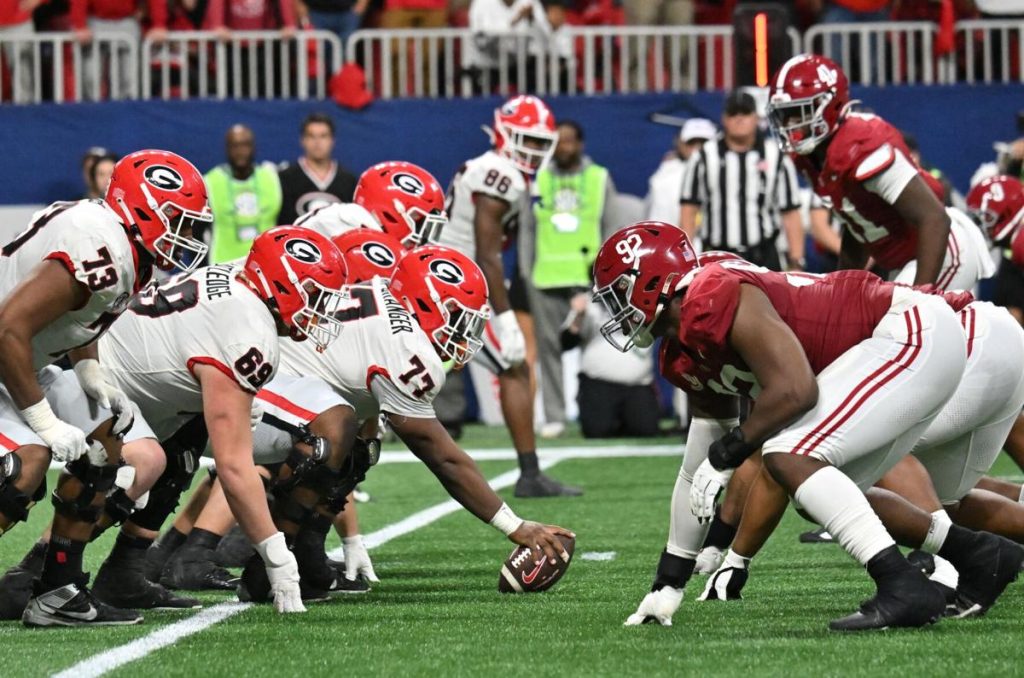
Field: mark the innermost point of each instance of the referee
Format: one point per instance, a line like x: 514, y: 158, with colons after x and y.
x: 744, y: 187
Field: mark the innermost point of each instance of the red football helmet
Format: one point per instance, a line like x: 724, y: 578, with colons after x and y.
x: 807, y: 101
x: 524, y: 132
x: 299, y: 272
x: 998, y: 205
x: 636, y: 272
x: 368, y: 253
x: 162, y: 198
x: 406, y: 199
x: 447, y: 292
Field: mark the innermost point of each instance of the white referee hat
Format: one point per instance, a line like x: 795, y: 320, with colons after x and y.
x: 697, y: 128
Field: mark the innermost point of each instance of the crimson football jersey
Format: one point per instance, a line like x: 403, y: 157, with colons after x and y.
x: 862, y: 148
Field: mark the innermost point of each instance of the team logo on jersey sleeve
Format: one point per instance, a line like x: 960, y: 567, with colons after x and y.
x: 303, y: 250
x: 447, y: 271
x: 163, y: 177
x: 379, y: 254
x: 408, y: 183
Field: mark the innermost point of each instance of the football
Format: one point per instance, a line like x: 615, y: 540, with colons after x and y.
x: 520, y: 574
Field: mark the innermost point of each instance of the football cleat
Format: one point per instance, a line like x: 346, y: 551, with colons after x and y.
x: 995, y: 562
x: 540, y: 485
x: 121, y: 582
x: 159, y: 553
x: 73, y: 605
x: 16, y: 584
x: 923, y: 561
x: 193, y: 568
x: 234, y: 549
x: 819, y: 536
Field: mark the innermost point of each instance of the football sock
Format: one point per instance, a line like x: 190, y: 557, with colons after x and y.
x: 528, y: 464
x: 721, y: 533
x: 937, y: 532
x: 673, y: 571
x: 63, y: 563
x: 171, y: 539
x: 838, y: 505
x: 945, y: 573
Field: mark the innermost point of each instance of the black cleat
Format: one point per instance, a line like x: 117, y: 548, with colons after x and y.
x: 16, y: 584
x: 234, y: 549
x: 193, y: 568
x: 343, y: 584
x: 994, y: 563
x: 254, y: 585
x: 540, y: 485
x: 923, y: 561
x: 905, y: 597
x: 318, y: 577
x: 121, y: 582
x: 819, y: 536
x: 160, y: 552
x: 73, y: 605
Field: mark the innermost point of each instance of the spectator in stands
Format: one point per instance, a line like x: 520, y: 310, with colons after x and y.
x: 571, y: 221
x: 666, y: 184
x: 100, y: 172
x: 15, y: 23
x: 316, y: 179
x: 557, y: 50
x: 503, y: 27
x: 245, y: 198
x: 341, y: 17
x: 88, y: 160
x: 225, y: 16
x: 655, y: 13
x: 616, y: 392
x: 852, y: 11
x: 93, y: 19
x: 400, y: 14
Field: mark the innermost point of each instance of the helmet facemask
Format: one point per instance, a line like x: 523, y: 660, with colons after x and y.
x: 800, y: 124
x: 628, y: 326
x: 316, y: 320
x: 424, y: 227
x: 459, y: 337
x: 529, y: 150
x: 172, y: 247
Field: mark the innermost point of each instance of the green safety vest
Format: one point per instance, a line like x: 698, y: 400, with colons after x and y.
x: 241, y: 210
x: 568, y: 214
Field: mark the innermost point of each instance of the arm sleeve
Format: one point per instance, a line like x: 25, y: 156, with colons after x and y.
x: 886, y: 177
x: 787, y: 187
x: 694, y: 189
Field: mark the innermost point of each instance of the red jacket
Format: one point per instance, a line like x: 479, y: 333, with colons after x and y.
x: 116, y: 9
x: 249, y: 15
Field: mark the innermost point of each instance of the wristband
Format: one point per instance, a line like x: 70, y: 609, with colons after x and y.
x: 274, y: 550
x: 729, y: 451
x: 506, y: 521
x: 354, y: 540
x: 40, y: 416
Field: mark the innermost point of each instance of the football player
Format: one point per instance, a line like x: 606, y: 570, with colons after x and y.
x: 400, y: 198
x: 861, y: 169
x: 485, y: 200
x: 64, y: 280
x: 846, y: 371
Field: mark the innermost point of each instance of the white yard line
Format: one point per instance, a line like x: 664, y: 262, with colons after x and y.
x: 114, y: 658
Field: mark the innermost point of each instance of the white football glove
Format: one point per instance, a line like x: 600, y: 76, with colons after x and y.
x: 255, y: 414
x: 708, y: 560
x: 707, y: 486
x: 357, y: 560
x: 510, y: 336
x: 657, y: 606
x: 66, y: 442
x: 727, y: 583
x: 98, y: 385
x: 283, y: 573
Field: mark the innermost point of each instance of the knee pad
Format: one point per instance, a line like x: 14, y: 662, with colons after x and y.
x: 182, y: 464
x: 15, y: 504
x: 77, y: 500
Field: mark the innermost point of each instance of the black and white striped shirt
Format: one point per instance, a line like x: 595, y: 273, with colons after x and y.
x: 742, y: 194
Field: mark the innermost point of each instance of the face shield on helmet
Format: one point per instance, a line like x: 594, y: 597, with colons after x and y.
x: 799, y: 124
x: 628, y: 326
x: 528, y: 149
x: 317, y: 319
x: 424, y: 227
x: 459, y: 336
x: 176, y: 246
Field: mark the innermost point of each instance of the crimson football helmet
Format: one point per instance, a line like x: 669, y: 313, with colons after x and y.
x: 447, y: 292
x: 636, y: 272
x: 807, y: 101
x: 299, y: 272
x: 162, y: 199
x: 998, y: 205
x: 524, y: 132
x: 405, y: 199
x: 368, y: 253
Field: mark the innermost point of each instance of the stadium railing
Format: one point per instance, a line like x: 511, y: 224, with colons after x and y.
x: 989, y: 51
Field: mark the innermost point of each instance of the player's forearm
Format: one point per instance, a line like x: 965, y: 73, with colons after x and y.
x: 16, y: 368
x: 246, y: 496
x: 778, y: 406
x: 462, y: 479
x: 494, y: 272
x: 932, y: 240
x: 89, y: 352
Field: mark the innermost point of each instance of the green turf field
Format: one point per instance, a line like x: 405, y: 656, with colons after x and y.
x: 437, y: 608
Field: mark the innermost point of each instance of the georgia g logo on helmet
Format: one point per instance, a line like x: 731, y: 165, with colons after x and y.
x: 163, y: 177
x: 379, y: 254
x: 408, y: 183
x: 447, y: 271
x: 303, y: 250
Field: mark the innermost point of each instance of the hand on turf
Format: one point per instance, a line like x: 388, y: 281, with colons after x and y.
x: 725, y: 584
x: 98, y: 385
x: 283, y: 573
x: 543, y: 539
x: 707, y: 486
x: 657, y: 606
x: 510, y: 337
x: 357, y: 560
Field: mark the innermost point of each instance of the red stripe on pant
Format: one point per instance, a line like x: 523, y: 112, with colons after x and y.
x: 813, y: 438
x: 954, y: 264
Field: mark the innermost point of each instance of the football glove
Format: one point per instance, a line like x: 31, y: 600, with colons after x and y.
x: 66, y: 442
x: 709, y: 559
x: 728, y: 581
x: 510, y: 337
x: 283, y: 573
x: 707, y: 486
x: 657, y: 606
x: 357, y: 560
x: 97, y: 384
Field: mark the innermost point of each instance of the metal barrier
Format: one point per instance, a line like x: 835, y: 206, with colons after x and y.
x: 240, y: 65
x: 105, y: 69
x: 989, y: 51
x: 892, y: 52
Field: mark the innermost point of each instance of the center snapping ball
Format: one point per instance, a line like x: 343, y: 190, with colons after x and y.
x: 520, y: 574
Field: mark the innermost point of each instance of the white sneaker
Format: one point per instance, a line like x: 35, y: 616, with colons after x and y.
x: 552, y: 429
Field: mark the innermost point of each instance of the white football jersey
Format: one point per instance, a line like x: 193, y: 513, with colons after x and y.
x: 490, y: 174
x: 337, y: 218
x: 382, y: 361
x: 88, y: 238
x: 207, y: 317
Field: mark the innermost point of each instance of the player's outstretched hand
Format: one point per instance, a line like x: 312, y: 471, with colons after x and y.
x: 542, y: 538
x: 283, y: 573
x: 357, y: 560
x: 657, y: 607
x: 708, y: 483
